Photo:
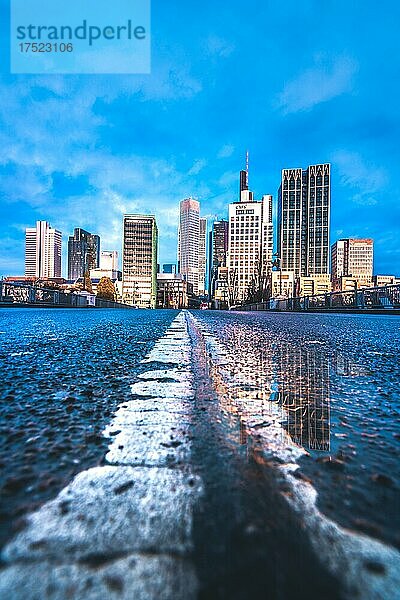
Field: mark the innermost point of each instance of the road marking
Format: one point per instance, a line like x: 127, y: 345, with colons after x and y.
x: 131, y: 518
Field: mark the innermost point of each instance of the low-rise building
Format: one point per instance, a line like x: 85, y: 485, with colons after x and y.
x: 346, y: 284
x: 43, y: 281
x: 173, y: 291
x: 221, y: 287
x: 313, y: 285
x: 381, y: 280
x: 283, y: 284
x: 90, y: 298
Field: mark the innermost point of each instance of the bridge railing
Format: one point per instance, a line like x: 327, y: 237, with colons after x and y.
x: 21, y: 293
x: 25, y: 293
x: 377, y: 298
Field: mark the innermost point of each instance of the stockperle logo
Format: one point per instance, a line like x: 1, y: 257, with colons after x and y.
x: 80, y: 36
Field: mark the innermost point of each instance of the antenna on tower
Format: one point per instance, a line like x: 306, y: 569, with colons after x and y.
x: 247, y: 169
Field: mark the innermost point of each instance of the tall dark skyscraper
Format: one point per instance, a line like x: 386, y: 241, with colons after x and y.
x: 244, y: 182
x: 218, y: 248
x: 83, y: 253
x: 304, y: 200
x: 220, y: 242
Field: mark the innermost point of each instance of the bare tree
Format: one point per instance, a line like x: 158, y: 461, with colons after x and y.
x: 259, y: 286
x: 233, y: 287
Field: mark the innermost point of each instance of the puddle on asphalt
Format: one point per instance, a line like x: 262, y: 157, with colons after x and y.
x: 329, y: 410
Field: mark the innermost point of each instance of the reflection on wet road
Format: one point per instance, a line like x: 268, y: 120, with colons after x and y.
x: 303, y: 392
x: 332, y: 383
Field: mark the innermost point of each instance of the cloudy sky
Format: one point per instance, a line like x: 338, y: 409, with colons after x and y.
x: 293, y: 82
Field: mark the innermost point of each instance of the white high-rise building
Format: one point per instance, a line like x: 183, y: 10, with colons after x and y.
x: 42, y: 251
x: 250, y: 243
x: 139, y: 269
x: 188, y: 242
x: 109, y: 260
x: 202, y: 256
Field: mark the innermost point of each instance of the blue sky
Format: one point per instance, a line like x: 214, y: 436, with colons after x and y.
x: 295, y: 83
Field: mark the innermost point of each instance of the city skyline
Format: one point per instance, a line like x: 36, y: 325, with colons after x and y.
x: 86, y: 150
x: 245, y: 194
x: 306, y: 196
x: 200, y: 300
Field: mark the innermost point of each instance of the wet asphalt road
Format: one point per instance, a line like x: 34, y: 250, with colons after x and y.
x: 336, y: 379
x: 247, y: 544
x: 63, y: 373
x: 333, y: 379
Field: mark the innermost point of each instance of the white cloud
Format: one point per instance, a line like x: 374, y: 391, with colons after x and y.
x: 198, y: 166
x: 226, y: 151
x: 364, y: 199
x: 119, y: 185
x: 59, y: 132
x: 228, y: 178
x: 217, y: 46
x: 364, y: 179
x: 325, y: 80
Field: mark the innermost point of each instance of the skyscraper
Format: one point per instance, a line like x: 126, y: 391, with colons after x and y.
x: 352, y: 258
x: 244, y: 179
x: 250, y: 245
x: 43, y: 251
x: 245, y: 195
x: 139, y: 269
x: 304, y: 199
x: 218, y: 248
x: 83, y: 253
x: 189, y: 242
x: 243, y: 185
x: 220, y: 242
x: 202, y: 255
